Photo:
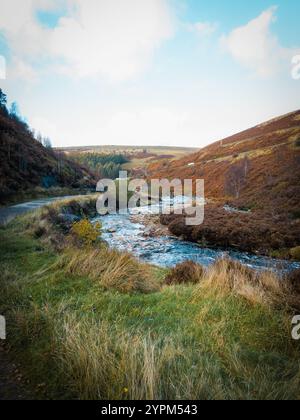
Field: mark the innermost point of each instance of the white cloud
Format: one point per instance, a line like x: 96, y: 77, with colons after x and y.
x: 160, y: 126
x: 203, y: 28
x: 255, y: 46
x: 20, y: 69
x: 146, y: 126
x: 115, y: 39
x: 2, y: 68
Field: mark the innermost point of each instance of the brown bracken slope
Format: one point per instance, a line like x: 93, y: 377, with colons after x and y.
x: 26, y: 164
x: 258, y: 169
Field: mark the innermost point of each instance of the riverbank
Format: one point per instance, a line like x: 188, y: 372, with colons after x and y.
x: 256, y: 232
x: 92, y: 323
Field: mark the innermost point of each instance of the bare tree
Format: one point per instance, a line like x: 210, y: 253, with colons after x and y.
x: 236, y: 178
x: 39, y: 138
x: 47, y: 143
x: 246, y: 163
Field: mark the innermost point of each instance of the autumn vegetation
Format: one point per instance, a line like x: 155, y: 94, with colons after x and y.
x: 256, y: 174
x: 87, y: 322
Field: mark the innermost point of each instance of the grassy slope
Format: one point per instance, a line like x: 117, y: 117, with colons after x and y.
x: 82, y: 340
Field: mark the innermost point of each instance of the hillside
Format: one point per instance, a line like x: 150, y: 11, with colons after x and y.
x: 255, y: 166
x: 257, y: 170
x: 26, y: 164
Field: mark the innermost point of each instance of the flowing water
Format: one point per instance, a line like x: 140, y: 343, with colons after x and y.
x: 123, y: 234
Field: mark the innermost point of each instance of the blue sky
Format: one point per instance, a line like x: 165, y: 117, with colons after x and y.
x: 161, y: 72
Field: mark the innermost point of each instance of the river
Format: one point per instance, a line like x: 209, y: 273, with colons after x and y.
x: 124, y: 234
x: 121, y: 233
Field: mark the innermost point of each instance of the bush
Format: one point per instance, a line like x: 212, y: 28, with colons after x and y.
x: 295, y: 253
x: 293, y: 279
x: 296, y: 214
x: 185, y: 273
x: 297, y: 142
x: 85, y: 232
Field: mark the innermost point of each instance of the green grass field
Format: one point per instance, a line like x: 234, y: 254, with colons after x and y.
x: 83, y: 337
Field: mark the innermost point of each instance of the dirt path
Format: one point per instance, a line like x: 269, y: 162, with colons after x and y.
x: 12, y: 384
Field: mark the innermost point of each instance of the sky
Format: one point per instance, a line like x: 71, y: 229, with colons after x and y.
x: 149, y: 72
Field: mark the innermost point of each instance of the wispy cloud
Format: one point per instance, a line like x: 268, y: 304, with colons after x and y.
x: 202, y: 28
x: 255, y: 46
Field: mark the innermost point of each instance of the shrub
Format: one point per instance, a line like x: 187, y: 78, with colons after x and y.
x: 296, y: 214
x: 40, y: 231
x: 185, y: 273
x: 297, y: 142
x: 295, y: 253
x: 86, y: 232
x: 293, y: 279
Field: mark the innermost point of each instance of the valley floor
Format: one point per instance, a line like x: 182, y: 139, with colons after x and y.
x: 91, y: 323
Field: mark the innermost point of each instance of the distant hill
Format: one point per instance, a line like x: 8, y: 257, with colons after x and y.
x: 255, y: 168
x: 137, y: 157
x: 26, y: 163
x: 130, y: 150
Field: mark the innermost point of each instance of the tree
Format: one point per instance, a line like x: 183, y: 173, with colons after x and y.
x: 14, y: 110
x: 47, y: 143
x: 236, y: 178
x: 39, y: 138
x: 3, y: 99
x: 246, y: 164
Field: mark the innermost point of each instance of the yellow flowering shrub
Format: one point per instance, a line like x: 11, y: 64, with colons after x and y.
x: 86, y: 232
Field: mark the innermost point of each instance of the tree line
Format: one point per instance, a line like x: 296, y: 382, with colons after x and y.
x: 105, y: 166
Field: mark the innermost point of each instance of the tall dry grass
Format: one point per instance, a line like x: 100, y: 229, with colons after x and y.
x: 100, y: 364
x: 230, y: 277
x: 110, y: 268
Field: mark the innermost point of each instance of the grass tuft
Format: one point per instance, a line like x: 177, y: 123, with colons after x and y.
x: 110, y: 269
x: 265, y: 288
